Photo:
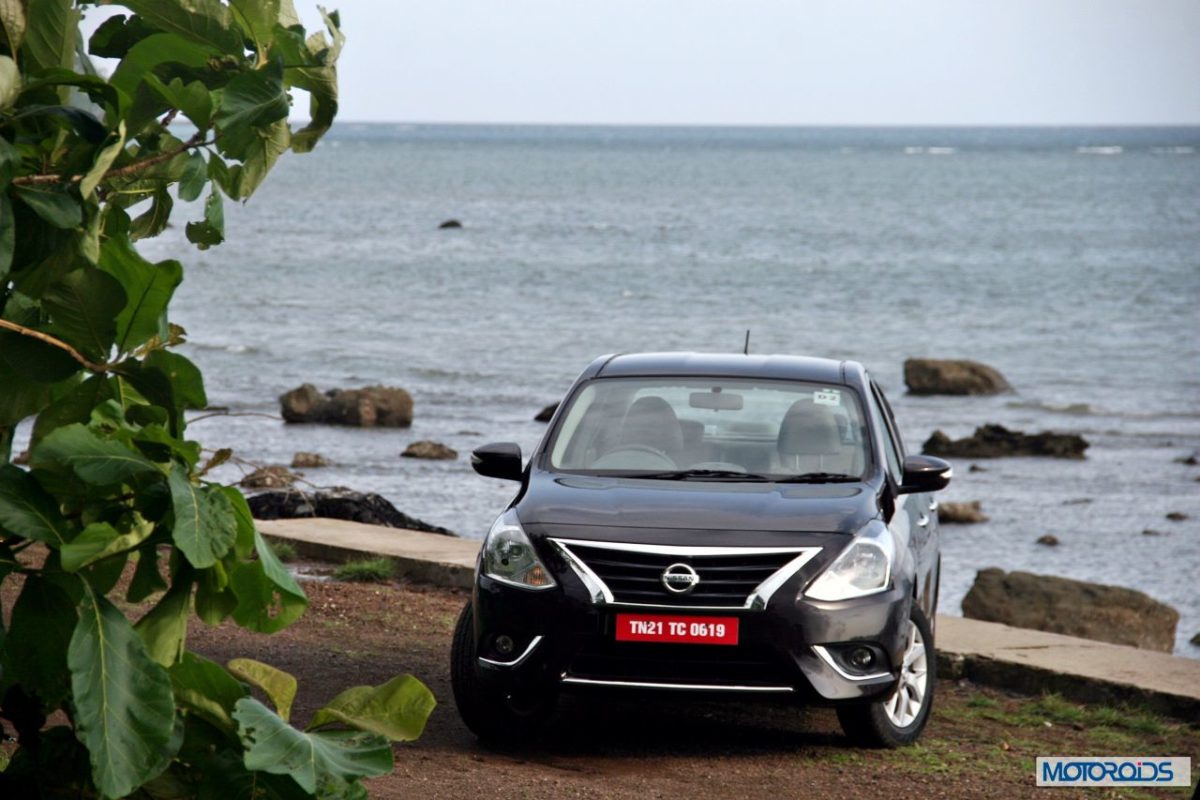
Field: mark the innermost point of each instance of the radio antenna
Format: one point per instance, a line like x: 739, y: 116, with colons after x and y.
x: 746, y: 347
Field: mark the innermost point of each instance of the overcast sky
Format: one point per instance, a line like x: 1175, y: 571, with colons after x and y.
x: 851, y: 62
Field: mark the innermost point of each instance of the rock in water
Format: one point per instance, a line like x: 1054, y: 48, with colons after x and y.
x: 303, y: 460
x: 1075, y: 608
x: 435, y: 451
x: 961, y: 513
x: 369, y: 407
x: 1048, y: 539
x: 1195, y: 640
x: 547, y: 413
x: 952, y: 376
x: 996, y: 441
x: 1177, y: 516
x: 337, y: 503
x: 274, y: 476
x: 450, y: 224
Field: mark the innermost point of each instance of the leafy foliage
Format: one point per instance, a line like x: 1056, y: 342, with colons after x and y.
x: 89, y: 165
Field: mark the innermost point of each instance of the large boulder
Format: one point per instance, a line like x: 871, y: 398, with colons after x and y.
x: 272, y: 476
x: 546, y: 414
x: 952, y: 376
x: 996, y: 441
x: 369, y: 407
x: 336, y: 503
x: 1075, y: 608
x: 967, y: 513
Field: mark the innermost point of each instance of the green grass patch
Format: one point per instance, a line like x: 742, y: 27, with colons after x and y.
x: 371, y: 570
x: 284, y: 551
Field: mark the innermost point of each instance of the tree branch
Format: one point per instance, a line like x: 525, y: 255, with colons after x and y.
x: 122, y: 172
x: 60, y: 344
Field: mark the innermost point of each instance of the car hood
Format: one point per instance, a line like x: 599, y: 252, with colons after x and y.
x: 557, y: 500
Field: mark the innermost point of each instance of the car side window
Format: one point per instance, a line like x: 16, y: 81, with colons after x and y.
x: 891, y: 443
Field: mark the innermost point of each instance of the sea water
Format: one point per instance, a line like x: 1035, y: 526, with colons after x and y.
x: 1069, y: 259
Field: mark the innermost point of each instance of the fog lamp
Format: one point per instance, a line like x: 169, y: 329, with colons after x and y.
x: 505, y: 645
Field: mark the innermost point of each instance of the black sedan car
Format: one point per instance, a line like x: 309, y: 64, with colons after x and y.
x: 709, y: 523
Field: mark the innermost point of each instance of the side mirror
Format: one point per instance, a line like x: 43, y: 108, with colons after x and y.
x: 499, y: 460
x: 925, y: 474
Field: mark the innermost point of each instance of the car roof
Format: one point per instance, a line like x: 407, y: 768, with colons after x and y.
x: 730, y: 365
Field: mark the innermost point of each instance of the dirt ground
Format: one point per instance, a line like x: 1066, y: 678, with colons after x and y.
x: 980, y: 743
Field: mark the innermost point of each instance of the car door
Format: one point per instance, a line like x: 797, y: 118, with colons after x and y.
x: 915, y: 511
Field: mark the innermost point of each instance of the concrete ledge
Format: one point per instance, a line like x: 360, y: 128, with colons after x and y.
x: 1080, y: 669
x: 985, y: 652
x: 424, y: 557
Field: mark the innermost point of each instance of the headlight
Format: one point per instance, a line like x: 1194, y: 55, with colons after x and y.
x: 508, y: 555
x: 865, y: 567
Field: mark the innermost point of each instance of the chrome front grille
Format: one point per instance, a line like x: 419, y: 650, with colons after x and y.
x: 729, y: 577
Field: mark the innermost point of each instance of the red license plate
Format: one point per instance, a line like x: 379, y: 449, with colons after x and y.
x: 676, y: 629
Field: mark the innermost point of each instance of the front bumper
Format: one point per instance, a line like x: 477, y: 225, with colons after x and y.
x: 566, y: 638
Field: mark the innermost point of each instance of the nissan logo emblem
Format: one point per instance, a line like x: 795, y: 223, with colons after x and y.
x: 680, y: 578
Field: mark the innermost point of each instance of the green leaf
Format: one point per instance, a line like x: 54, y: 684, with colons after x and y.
x: 12, y: 18
x: 94, y: 460
x: 42, y: 620
x: 259, y: 17
x: 195, y: 175
x: 22, y: 397
x: 205, y: 525
x: 124, y: 708
x: 104, y: 160
x: 53, y: 204
x: 27, y: 510
x: 244, y: 545
x: 252, y: 101
x: 153, y: 221
x: 84, y: 306
x: 318, y: 77
x: 101, y: 540
x: 164, y: 628
x: 398, y: 709
x: 205, y: 687
x: 145, y: 58
x: 36, y: 360
x: 117, y: 34
x: 193, y: 99
x: 146, y: 577
x: 279, y: 686
x: 316, y: 761
x: 239, y: 182
x: 187, y: 384
x: 8, y: 235
x: 73, y: 406
x: 10, y: 81
x: 50, y: 35
x: 215, y: 601
x: 148, y: 288
x: 206, y: 21
x: 212, y: 230
x: 269, y: 599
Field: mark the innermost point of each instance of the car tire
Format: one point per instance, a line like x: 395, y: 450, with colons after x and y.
x: 491, y: 714
x: 898, y: 719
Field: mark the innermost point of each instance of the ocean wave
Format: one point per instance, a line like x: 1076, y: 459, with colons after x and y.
x: 1100, y: 150
x: 1180, y: 150
x: 921, y: 150
x: 225, y: 347
x: 1075, y: 409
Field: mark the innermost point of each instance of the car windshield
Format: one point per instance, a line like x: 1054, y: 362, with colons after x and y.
x: 722, y: 429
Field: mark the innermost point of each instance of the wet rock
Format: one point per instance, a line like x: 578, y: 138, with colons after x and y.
x: 976, y: 468
x: 1075, y: 608
x: 1049, y: 539
x: 952, y: 376
x: 1177, y: 516
x: 1195, y: 640
x: 1077, y: 501
x: 274, y: 476
x: 1151, y: 532
x: 996, y: 441
x: 1192, y: 459
x: 961, y: 513
x: 303, y: 460
x: 547, y: 413
x: 435, y: 451
x: 369, y: 407
x: 336, y: 503
x: 450, y: 224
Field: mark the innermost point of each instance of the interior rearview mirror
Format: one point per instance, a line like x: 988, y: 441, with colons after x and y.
x: 716, y: 400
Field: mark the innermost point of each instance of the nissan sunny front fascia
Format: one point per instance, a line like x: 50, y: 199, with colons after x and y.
x: 725, y: 524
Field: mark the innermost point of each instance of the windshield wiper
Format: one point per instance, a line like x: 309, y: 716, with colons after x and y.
x: 819, y: 477
x: 701, y: 474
